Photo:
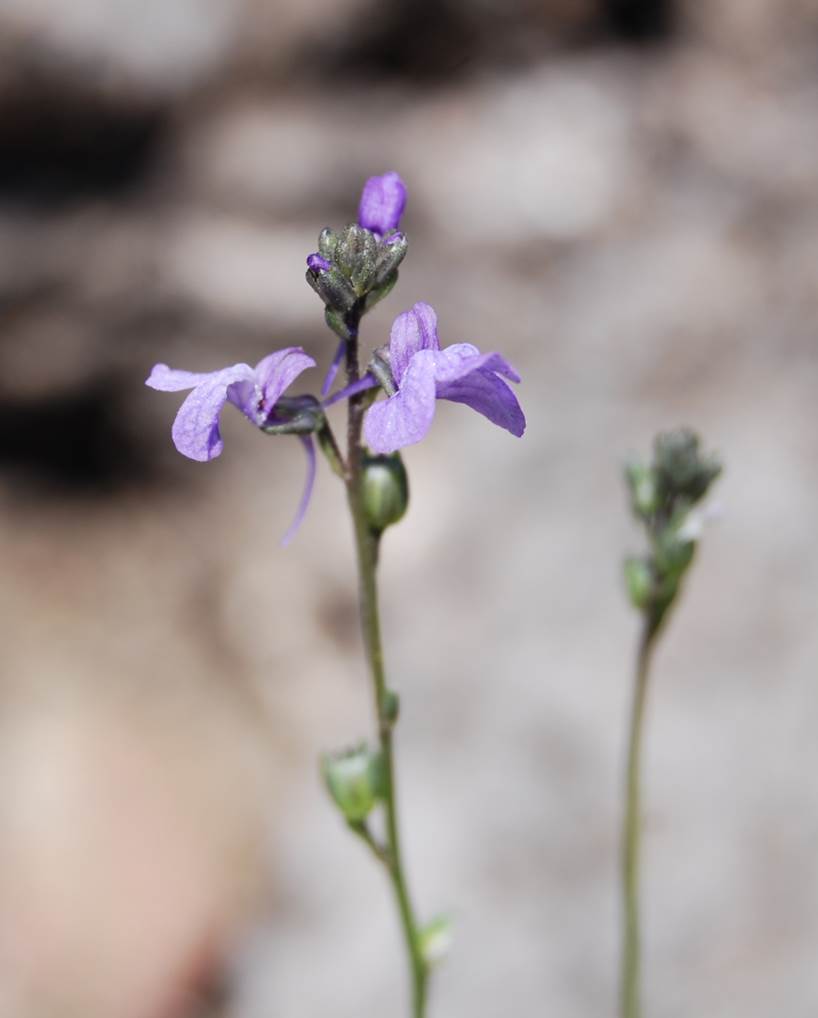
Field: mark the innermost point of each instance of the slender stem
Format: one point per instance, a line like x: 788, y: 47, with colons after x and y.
x: 366, y: 543
x: 630, y: 985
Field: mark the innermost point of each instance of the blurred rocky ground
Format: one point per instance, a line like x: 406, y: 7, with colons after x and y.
x: 622, y: 197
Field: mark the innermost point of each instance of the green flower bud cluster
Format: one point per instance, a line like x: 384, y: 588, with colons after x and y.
x: 355, y: 780
x: 662, y: 496
x: 354, y: 267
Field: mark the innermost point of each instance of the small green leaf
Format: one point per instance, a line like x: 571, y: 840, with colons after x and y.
x: 435, y: 939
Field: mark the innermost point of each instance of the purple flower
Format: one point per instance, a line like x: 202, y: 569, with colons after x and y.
x: 382, y: 203
x: 255, y: 391
x: 422, y: 373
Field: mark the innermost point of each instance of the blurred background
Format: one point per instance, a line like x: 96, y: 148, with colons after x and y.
x: 621, y: 196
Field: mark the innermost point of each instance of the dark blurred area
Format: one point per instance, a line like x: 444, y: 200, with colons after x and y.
x: 61, y: 149
x: 70, y: 443
x: 622, y: 197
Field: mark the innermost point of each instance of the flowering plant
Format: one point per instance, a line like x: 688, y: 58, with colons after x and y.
x: 351, y: 271
x: 664, y: 498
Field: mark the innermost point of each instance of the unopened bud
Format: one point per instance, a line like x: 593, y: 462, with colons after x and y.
x: 391, y: 252
x: 318, y: 263
x: 327, y: 242
x: 385, y: 490
x: 330, y: 285
x: 355, y: 780
x: 356, y: 254
x: 338, y: 323
x: 681, y: 470
x: 378, y: 292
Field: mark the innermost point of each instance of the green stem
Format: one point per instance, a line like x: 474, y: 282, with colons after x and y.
x: 630, y: 988
x: 366, y: 543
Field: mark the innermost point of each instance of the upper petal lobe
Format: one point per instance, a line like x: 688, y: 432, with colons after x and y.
x: 412, y: 331
x: 276, y: 373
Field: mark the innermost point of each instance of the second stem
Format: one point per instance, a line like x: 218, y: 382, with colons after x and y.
x: 631, y: 953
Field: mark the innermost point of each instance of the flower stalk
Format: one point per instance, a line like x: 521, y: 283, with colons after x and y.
x: 367, y: 543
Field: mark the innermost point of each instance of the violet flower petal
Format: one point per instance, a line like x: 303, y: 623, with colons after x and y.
x: 489, y: 395
x: 333, y: 368
x: 195, y: 431
x: 167, y: 379
x: 276, y: 372
x: 461, y: 359
x: 368, y: 381
x: 382, y: 203
x: 404, y: 418
x: 303, y: 505
x: 412, y: 331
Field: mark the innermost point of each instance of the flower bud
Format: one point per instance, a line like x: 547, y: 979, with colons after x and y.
x: 356, y: 253
x: 382, y: 203
x: 380, y: 291
x: 338, y: 323
x: 385, y: 490
x: 327, y: 242
x: 317, y: 263
x: 391, y: 252
x: 681, y: 470
x: 355, y: 781
x: 330, y: 285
